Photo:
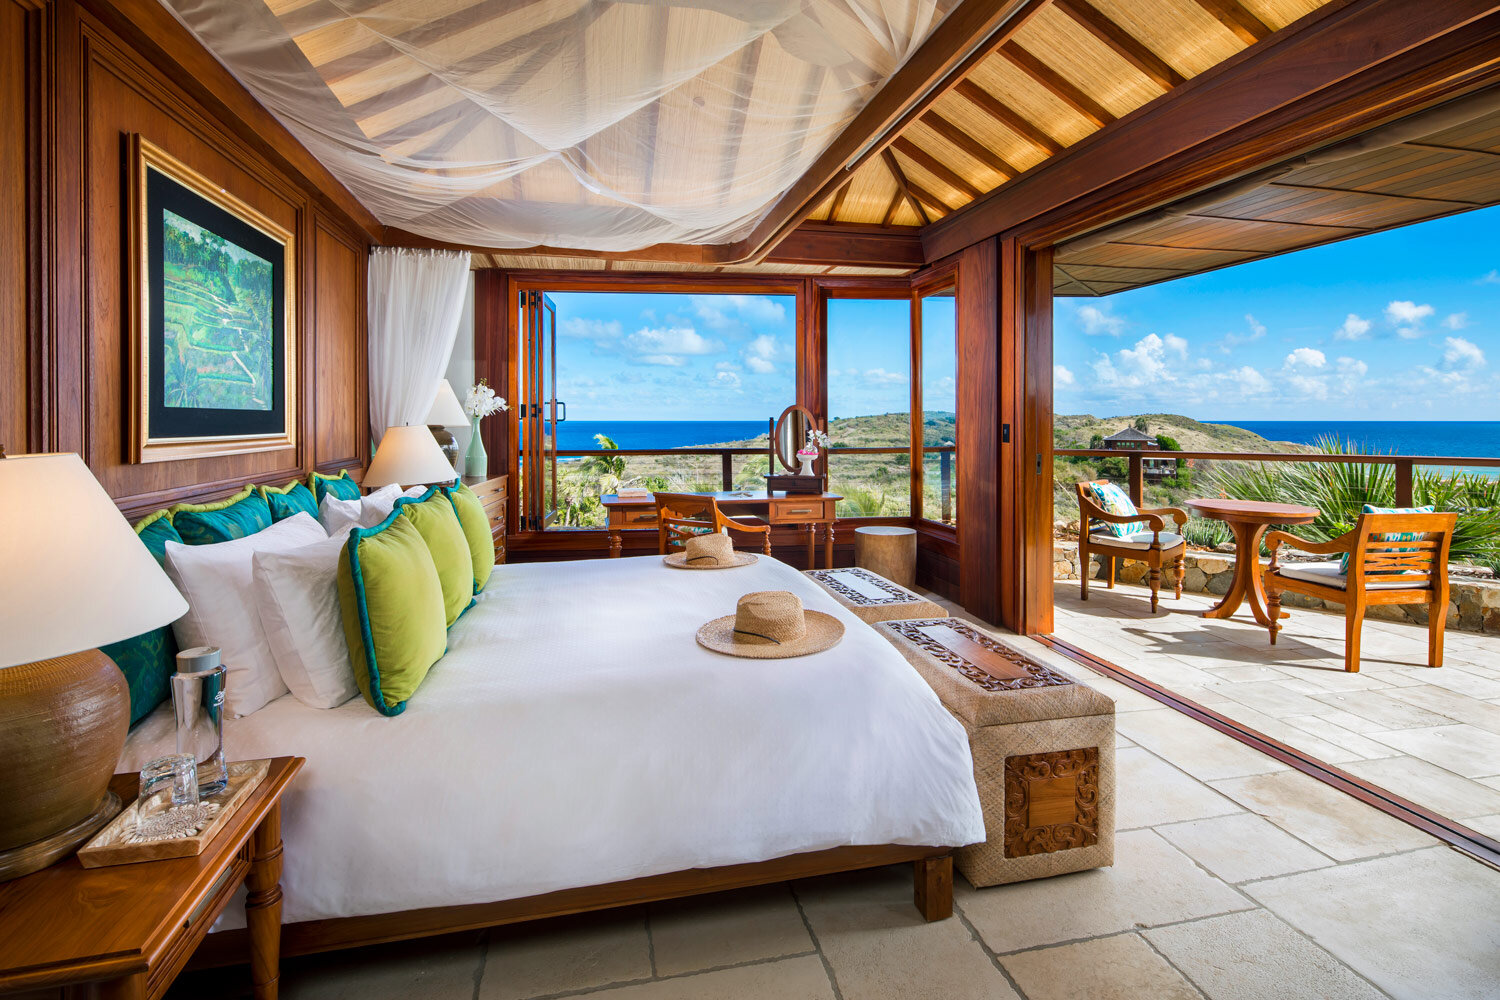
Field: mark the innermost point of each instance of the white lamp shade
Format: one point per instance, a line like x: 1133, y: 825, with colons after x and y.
x: 446, y: 411
x: 408, y: 456
x: 76, y: 576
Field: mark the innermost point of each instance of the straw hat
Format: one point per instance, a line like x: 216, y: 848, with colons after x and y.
x: 771, y: 624
x: 713, y: 551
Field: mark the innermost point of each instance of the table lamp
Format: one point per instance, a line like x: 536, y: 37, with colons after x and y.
x: 408, y: 456
x: 76, y: 577
x: 446, y: 412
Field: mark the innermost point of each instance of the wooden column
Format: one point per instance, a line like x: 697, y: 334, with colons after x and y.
x: 982, y: 477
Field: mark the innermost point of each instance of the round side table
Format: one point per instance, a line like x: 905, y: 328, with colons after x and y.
x: 1249, y: 520
x: 888, y: 550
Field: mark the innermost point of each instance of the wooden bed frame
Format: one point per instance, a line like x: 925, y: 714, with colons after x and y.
x: 932, y: 893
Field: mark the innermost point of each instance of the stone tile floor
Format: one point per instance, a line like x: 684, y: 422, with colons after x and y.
x: 1429, y: 735
x: 1235, y: 877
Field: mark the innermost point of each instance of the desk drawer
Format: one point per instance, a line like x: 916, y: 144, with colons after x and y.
x: 633, y: 518
x: 784, y: 511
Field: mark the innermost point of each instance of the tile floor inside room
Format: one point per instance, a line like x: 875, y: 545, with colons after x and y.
x: 1235, y: 878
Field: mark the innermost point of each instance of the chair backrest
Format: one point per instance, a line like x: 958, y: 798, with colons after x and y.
x: 680, y: 516
x: 1406, y: 549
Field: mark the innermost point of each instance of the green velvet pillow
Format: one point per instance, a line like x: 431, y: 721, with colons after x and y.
x: 243, y: 514
x: 433, y: 515
x: 293, y: 498
x: 392, y: 605
x: 476, y: 525
x: 148, y: 660
x: 340, y: 487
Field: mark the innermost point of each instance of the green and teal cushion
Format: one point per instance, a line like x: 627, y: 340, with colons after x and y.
x: 339, y: 486
x: 293, y: 498
x: 391, y: 601
x: 1388, y: 536
x: 148, y: 660
x: 1113, y: 500
x: 476, y: 526
x: 435, y: 518
x: 238, y: 516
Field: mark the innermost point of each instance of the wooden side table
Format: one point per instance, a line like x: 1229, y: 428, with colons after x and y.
x: 124, y: 932
x: 1249, y: 519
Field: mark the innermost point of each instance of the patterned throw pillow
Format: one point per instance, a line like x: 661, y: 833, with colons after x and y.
x: 1388, y: 536
x: 293, y: 498
x: 1114, y: 500
x: 148, y: 660
x: 341, y: 486
x: 238, y: 516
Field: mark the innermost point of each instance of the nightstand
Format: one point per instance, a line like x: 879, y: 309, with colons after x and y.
x: 128, y: 929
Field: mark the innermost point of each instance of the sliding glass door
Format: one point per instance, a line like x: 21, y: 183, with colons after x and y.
x: 538, y: 413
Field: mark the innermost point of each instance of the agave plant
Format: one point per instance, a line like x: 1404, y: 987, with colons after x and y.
x: 1340, y: 491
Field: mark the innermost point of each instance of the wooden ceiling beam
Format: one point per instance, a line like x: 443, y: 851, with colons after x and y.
x: 850, y: 245
x: 1232, y: 14
x: 951, y: 133
x: 1121, y: 42
x: 838, y: 200
x: 903, y: 185
x: 1054, y: 82
x: 934, y: 166
x: 1341, y: 70
x: 1023, y: 127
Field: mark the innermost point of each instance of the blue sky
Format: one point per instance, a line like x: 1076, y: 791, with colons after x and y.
x: 1402, y: 325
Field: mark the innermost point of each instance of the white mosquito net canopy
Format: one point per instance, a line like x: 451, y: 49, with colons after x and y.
x: 597, y: 124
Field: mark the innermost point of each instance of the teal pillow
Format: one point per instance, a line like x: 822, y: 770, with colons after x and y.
x: 340, y: 486
x: 1387, y: 536
x: 243, y: 514
x: 391, y: 601
x: 293, y: 498
x: 148, y: 660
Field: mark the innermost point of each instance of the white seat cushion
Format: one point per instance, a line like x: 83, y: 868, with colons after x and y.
x: 1327, y: 573
x: 1139, y: 540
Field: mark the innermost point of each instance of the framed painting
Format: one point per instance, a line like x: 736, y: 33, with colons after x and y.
x: 212, y: 317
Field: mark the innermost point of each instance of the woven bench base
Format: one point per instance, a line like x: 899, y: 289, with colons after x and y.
x: 1043, y: 747
x: 871, y: 597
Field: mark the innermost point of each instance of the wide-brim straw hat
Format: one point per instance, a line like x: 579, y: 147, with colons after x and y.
x: 713, y: 551
x: 771, y: 624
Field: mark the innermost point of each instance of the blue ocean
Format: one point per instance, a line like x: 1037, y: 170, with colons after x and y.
x: 578, y: 435
x: 1476, y: 438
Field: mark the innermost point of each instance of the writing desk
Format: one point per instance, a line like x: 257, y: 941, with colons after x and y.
x: 808, y: 510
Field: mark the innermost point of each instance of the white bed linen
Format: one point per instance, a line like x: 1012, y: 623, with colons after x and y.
x: 576, y: 734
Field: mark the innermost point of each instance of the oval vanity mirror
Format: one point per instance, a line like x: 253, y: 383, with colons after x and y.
x: 791, y: 433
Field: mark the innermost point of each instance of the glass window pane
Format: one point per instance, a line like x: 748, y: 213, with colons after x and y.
x: 869, y: 405
x: 939, y: 407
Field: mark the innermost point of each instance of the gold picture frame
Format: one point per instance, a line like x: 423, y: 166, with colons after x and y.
x: 226, y: 381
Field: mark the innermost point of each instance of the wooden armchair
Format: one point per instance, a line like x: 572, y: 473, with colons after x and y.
x: 1151, y: 546
x: 1383, y: 569
x: 680, y: 516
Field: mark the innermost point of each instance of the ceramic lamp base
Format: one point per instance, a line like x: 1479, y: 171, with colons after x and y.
x: 63, y: 724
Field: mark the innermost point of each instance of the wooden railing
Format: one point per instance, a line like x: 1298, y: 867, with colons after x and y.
x: 1404, y: 464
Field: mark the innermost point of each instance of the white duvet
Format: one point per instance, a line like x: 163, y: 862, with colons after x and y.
x: 576, y: 734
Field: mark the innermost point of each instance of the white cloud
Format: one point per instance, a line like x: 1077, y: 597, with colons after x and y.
x: 1493, y: 278
x: 1355, y: 327
x: 665, y: 360
x: 667, y: 345
x: 1097, y: 322
x: 1309, y: 386
x: 1233, y: 340
x: 1306, y: 357
x: 726, y: 380
x: 1251, y: 381
x: 879, y: 376
x: 598, y: 330
x: 761, y: 354
x: 1407, y: 317
x: 1177, y: 345
x: 1136, y: 367
x: 1456, y: 321
x: 1062, y: 378
x: 720, y: 312
x: 1352, y: 366
x: 1459, y: 352
x: 1257, y: 329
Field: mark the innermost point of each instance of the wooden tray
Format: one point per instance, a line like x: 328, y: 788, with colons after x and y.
x: 107, y: 849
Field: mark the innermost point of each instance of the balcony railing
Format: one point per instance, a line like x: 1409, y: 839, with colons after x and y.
x: 1404, y: 464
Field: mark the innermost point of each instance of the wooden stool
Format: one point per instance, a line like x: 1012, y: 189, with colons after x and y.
x: 888, y: 551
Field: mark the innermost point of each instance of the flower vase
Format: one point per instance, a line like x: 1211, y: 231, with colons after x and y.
x: 476, y: 462
x: 807, y: 468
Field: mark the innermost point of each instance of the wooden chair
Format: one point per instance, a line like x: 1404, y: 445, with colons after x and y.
x: 1151, y: 547
x: 1381, y: 571
x: 680, y: 516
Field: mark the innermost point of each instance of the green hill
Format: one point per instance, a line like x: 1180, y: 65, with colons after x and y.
x: 1191, y: 435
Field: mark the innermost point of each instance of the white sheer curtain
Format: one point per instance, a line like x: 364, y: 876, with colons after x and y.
x: 415, y: 298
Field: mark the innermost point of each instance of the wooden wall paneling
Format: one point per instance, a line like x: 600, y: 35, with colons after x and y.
x: 21, y: 369
x: 494, y: 340
x: 339, y: 383
x: 812, y: 353
x: 983, y: 481
x: 1033, y: 328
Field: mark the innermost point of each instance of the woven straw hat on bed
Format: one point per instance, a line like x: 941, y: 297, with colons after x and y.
x: 771, y: 624
x: 713, y: 551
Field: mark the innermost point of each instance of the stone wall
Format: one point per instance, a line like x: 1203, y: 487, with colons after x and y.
x: 1473, y: 605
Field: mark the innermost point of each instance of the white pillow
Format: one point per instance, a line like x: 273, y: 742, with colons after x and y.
x: 297, y: 595
x: 340, y: 515
x: 217, y: 582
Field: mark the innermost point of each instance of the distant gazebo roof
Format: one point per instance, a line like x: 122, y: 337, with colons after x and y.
x: 1130, y: 434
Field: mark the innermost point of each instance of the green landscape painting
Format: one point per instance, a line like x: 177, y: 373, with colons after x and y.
x: 218, y: 334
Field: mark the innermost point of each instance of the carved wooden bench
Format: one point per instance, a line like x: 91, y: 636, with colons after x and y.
x: 871, y: 597
x: 1043, y: 746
